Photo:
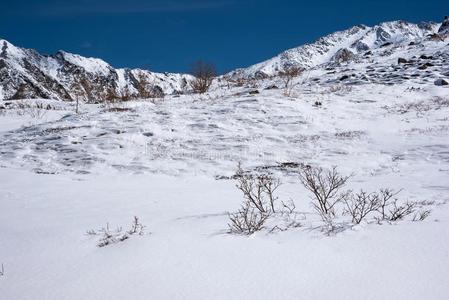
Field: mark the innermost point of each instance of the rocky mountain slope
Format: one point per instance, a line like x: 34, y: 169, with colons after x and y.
x: 352, y: 45
x: 24, y: 73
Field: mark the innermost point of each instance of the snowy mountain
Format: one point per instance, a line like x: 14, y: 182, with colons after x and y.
x: 353, y: 44
x: 24, y: 73
x: 139, y: 199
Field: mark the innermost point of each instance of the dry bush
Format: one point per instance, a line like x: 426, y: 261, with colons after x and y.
x: 109, y: 237
x: 421, y: 215
x: 381, y: 203
x: 247, y: 220
x: 148, y: 89
x: 36, y: 110
x: 2, y: 270
x: 385, y: 199
x: 287, y: 75
x: 258, y: 204
x: 204, y: 74
x: 399, y: 212
x: 359, y: 205
x: 258, y: 190
x: 325, y: 186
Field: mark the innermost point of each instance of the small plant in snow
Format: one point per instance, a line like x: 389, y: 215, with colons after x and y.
x: 259, y: 202
x: 247, y: 220
x: 2, y: 270
x: 360, y: 205
x: 109, y: 236
x: 399, y: 212
x: 325, y: 186
x: 136, y: 227
x: 421, y: 215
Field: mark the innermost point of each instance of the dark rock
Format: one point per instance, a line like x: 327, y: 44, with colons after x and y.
x: 260, y: 75
x: 425, y: 66
x: 382, y: 36
x: 436, y: 37
x: 344, y: 77
x: 444, y: 28
x: 426, y: 57
x: 360, y: 46
x: 272, y: 87
x: 342, y: 55
x: 254, y: 92
x: 402, y: 60
x: 441, y: 82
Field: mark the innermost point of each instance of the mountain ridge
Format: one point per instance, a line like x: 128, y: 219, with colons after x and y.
x: 25, y: 73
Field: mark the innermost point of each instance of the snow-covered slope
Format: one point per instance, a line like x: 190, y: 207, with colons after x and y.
x: 357, y: 40
x: 65, y: 175
x: 24, y: 73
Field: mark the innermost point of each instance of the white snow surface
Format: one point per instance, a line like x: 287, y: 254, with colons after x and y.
x: 71, y: 173
x: 169, y: 162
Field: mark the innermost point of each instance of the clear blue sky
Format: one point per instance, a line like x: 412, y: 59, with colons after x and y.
x: 170, y: 35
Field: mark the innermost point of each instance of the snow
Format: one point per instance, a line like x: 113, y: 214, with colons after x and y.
x: 188, y: 256
x: 169, y: 161
x: 103, y: 176
x: 91, y: 65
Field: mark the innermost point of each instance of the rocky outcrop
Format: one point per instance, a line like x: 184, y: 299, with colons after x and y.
x: 361, y: 41
x: 24, y: 73
x: 444, y: 28
x: 441, y: 82
x: 342, y: 55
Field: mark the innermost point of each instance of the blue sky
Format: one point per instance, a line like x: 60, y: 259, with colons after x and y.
x: 170, y: 35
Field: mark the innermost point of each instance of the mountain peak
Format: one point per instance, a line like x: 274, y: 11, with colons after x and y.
x: 444, y: 28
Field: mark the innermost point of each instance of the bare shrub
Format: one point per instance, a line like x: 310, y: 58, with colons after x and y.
x: 258, y: 190
x: 325, y: 186
x: 288, y: 74
x: 247, y: 220
x: 385, y: 200
x: 204, y: 74
x: 148, y: 89
x: 399, y: 212
x: 109, y: 236
x: 421, y: 215
x: 2, y: 270
x: 136, y: 227
x: 36, y: 110
x: 258, y: 204
x: 359, y: 205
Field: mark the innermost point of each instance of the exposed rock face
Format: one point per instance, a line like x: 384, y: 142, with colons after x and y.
x: 342, y: 55
x: 24, y: 73
x: 382, y: 36
x: 444, y: 28
x: 441, y: 82
x: 360, y: 46
x: 361, y: 40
